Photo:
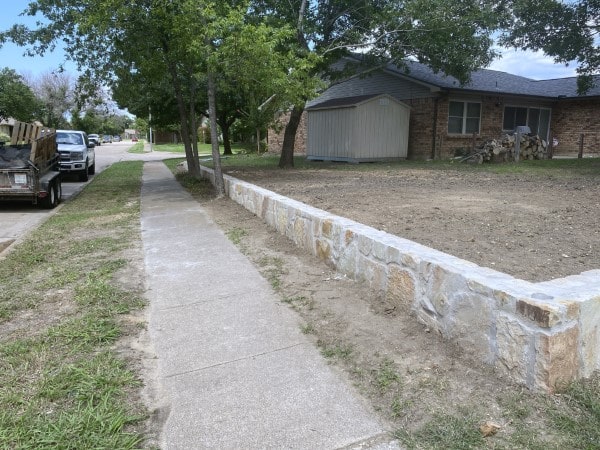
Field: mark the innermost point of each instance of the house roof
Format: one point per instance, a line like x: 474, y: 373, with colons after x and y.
x: 347, y: 102
x: 494, y: 81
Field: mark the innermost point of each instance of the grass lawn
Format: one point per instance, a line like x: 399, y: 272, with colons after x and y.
x: 63, y: 384
x: 203, y: 149
x: 555, y: 167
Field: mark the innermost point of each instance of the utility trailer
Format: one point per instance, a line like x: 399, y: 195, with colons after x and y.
x: 29, y: 166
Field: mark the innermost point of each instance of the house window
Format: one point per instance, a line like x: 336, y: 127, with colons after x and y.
x: 464, y: 117
x: 537, y: 119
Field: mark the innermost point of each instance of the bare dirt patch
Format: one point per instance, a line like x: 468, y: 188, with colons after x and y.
x: 532, y: 227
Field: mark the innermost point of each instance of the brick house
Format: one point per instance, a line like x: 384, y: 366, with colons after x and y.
x: 447, y: 117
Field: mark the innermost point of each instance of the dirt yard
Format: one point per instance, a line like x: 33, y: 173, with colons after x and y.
x: 534, y: 227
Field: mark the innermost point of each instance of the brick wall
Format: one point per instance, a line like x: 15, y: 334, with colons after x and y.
x: 570, y: 119
x: 420, y: 134
x: 421, y: 140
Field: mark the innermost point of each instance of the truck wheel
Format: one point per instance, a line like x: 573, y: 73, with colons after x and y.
x: 92, y: 169
x: 84, y: 175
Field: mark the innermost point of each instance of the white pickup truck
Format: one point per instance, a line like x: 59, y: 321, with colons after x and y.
x: 77, y: 154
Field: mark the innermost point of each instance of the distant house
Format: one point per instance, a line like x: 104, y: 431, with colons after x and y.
x: 446, y: 117
x: 6, y: 126
x: 131, y: 133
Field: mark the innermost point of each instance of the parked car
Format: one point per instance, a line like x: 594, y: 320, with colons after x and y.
x: 107, y: 139
x: 77, y: 154
x: 94, y: 138
x: 116, y: 138
x: 134, y: 139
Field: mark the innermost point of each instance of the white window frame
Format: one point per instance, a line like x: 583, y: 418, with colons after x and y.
x: 528, y: 108
x: 465, y: 117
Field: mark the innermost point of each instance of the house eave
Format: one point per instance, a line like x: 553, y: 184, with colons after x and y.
x: 432, y: 87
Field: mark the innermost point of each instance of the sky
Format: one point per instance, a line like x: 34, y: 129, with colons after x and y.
x: 527, y: 64
x: 11, y: 56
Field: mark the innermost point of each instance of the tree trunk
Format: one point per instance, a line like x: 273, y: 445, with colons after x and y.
x: 193, y: 122
x: 193, y: 164
x: 289, y: 137
x: 225, y: 127
x: 212, y: 112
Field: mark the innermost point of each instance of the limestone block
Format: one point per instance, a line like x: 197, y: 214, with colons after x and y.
x: 258, y: 203
x: 346, y: 260
x: 410, y: 261
x: 238, y: 189
x: 268, y: 211
x: 372, y: 272
x: 479, y: 286
x: 250, y: 201
x: 441, y: 303
x: 441, y: 288
x: 282, y: 219
x: 393, y: 255
x: 349, y: 236
x: 472, y: 324
x: 572, y: 308
x: 327, y: 228
x: 590, y: 336
x: 365, y: 244
x: 504, y: 301
x: 542, y: 314
x: 514, y: 344
x: 557, y: 359
x: 323, y: 249
x: 303, y: 237
x: 400, y: 290
x: 379, y: 250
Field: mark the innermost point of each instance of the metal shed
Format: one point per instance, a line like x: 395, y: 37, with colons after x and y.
x: 358, y: 129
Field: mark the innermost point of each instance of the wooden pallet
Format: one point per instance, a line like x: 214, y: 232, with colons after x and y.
x: 42, y: 140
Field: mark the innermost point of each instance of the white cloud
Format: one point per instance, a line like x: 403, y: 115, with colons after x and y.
x: 533, y: 65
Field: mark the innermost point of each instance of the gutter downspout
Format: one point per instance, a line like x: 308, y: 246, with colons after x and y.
x: 434, y: 132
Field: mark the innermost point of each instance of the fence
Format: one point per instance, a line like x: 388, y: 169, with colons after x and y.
x: 585, y: 143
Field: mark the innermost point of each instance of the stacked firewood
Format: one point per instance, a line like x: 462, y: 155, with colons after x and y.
x: 504, y: 149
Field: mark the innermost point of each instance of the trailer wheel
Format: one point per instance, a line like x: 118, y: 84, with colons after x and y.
x: 58, y: 186
x: 51, y: 200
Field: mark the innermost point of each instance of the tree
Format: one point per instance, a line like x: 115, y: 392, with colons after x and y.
x: 17, y: 100
x: 453, y: 36
x: 109, y: 39
x: 255, y: 82
x: 90, y: 122
x: 55, y: 93
x: 568, y: 31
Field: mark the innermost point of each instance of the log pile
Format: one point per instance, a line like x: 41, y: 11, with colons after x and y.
x: 504, y: 149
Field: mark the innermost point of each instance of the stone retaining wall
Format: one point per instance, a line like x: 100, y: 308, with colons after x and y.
x: 539, y: 334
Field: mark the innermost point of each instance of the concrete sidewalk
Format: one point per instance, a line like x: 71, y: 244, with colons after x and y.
x: 235, y: 368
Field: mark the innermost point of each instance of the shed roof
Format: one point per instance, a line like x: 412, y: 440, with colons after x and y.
x: 349, y: 102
